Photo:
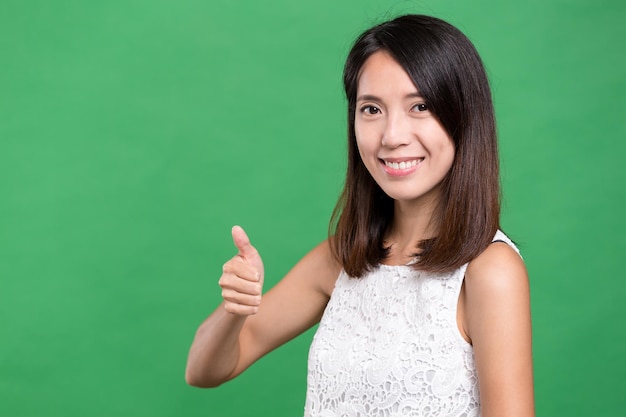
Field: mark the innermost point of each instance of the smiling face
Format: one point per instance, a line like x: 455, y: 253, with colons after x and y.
x: 401, y: 143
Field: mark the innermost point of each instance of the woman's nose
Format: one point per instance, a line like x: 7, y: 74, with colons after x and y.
x: 397, y: 131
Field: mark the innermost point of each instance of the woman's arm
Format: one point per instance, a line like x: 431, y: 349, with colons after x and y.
x: 497, y: 320
x: 245, y: 327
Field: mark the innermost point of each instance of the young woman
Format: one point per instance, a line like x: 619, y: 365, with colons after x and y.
x: 423, y: 302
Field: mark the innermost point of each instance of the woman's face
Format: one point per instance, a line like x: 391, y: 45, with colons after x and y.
x: 402, y: 144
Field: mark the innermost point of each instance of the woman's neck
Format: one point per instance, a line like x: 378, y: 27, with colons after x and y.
x: 412, y: 222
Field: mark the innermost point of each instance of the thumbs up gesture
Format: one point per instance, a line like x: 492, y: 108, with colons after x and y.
x: 242, y: 277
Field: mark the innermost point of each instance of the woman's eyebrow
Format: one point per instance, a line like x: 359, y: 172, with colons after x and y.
x: 369, y: 97
x: 414, y: 95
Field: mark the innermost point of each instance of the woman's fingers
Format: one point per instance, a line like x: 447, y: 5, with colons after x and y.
x: 239, y: 309
x: 240, y: 298
x: 240, y: 277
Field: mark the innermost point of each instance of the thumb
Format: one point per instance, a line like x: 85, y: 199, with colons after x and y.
x: 242, y: 242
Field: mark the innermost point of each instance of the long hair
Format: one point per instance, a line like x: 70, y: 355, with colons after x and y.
x: 448, y: 72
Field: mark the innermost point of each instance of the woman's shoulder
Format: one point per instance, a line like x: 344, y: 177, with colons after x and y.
x: 322, y: 253
x: 499, y: 270
x: 321, y: 266
x: 500, y: 236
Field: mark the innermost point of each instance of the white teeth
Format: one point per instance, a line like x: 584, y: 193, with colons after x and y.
x: 403, y: 164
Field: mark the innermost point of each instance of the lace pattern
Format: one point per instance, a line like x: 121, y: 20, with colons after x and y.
x: 388, y: 345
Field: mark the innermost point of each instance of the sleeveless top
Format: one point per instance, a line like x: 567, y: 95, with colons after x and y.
x: 388, y: 345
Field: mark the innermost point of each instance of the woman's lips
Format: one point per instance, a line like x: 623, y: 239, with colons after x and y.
x: 401, y: 167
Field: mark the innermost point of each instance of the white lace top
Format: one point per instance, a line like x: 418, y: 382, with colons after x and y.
x: 388, y: 345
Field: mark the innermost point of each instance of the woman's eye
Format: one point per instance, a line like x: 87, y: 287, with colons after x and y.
x: 420, y: 107
x: 370, y: 110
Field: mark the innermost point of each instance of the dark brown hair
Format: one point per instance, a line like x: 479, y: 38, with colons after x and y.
x: 448, y: 72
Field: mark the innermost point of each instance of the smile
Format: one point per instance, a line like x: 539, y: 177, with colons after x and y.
x: 401, y: 168
x: 403, y: 165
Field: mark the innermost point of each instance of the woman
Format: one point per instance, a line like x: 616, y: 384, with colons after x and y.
x: 423, y: 302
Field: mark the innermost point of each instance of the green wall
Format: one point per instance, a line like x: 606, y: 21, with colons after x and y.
x: 134, y: 133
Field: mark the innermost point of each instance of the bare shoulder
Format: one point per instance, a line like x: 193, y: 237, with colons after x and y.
x: 498, y: 270
x: 495, y: 289
x: 319, y: 267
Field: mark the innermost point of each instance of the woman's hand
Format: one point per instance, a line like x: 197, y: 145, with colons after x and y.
x: 242, y: 277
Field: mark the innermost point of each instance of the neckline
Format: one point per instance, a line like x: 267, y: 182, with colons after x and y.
x: 406, y: 265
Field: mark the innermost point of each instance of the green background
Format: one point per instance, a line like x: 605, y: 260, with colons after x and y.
x: 135, y: 133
